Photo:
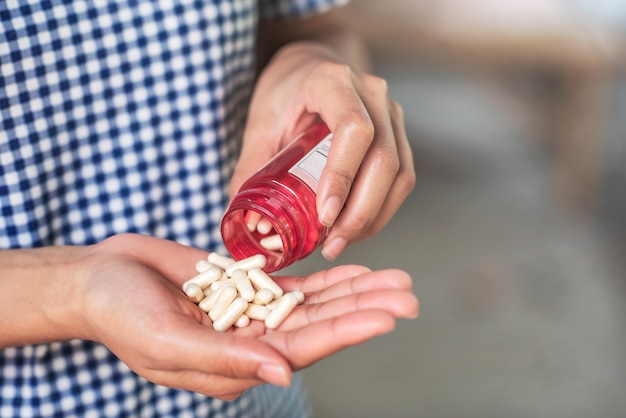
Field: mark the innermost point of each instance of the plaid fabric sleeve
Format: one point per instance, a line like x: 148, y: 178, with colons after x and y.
x: 288, y: 9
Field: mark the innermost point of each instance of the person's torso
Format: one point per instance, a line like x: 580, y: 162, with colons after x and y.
x: 120, y: 116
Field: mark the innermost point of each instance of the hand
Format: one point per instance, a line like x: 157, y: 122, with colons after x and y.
x: 343, y: 307
x: 370, y: 169
x: 132, y: 303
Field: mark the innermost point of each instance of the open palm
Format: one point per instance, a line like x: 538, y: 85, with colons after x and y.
x: 132, y: 303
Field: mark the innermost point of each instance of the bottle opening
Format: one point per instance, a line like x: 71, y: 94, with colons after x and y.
x: 248, y: 232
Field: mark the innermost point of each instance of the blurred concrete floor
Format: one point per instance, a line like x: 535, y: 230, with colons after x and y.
x: 522, y: 304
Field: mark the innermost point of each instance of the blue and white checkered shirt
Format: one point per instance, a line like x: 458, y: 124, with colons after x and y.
x: 122, y: 116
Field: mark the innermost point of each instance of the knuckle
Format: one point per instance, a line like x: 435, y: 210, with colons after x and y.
x: 231, y: 365
x: 154, y: 353
x: 396, y: 109
x: 387, y: 158
x: 376, y: 84
x: 153, y: 357
x: 357, y: 223
x: 406, y: 180
x: 341, y: 72
x: 359, y: 126
x: 115, y: 241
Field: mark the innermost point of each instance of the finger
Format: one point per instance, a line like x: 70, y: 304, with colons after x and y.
x: 320, y: 280
x: 382, y: 280
x: 404, y: 181
x: 344, y: 280
x: 212, y: 385
x: 376, y: 174
x: 334, y: 96
x: 397, y: 303
x: 189, y: 345
x: 307, y: 345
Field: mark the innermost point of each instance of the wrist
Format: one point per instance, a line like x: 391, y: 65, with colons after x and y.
x: 39, y: 295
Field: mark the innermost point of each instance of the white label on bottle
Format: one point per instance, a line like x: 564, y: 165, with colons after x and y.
x: 309, y: 168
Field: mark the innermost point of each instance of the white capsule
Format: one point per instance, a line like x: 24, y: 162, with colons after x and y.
x: 284, y: 306
x: 261, y: 280
x: 264, y: 226
x: 252, y: 219
x: 243, y: 285
x: 299, y: 296
x: 217, y: 284
x: 272, y: 242
x: 272, y: 304
x: 226, y: 297
x: 230, y: 315
x: 255, y: 261
x: 257, y: 312
x: 263, y: 297
x: 220, y: 260
x: 205, y: 278
x: 210, y: 298
x: 202, y: 265
x: 193, y: 292
x: 243, y: 321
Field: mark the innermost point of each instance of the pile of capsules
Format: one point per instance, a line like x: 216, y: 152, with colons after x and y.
x: 234, y: 292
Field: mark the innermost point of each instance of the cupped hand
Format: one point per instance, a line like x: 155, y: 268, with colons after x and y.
x: 132, y: 303
x: 369, y: 171
x: 343, y: 307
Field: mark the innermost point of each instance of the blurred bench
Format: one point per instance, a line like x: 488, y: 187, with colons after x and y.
x: 583, y: 55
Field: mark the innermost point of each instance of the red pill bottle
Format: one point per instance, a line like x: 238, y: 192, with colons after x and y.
x: 283, y: 192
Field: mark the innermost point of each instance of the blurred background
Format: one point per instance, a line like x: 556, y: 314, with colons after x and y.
x: 515, y: 234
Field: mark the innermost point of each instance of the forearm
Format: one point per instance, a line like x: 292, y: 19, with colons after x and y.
x: 328, y: 31
x: 37, y: 301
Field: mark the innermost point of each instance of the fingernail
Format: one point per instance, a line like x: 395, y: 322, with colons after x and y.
x: 275, y: 374
x: 334, y: 248
x: 330, y: 211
